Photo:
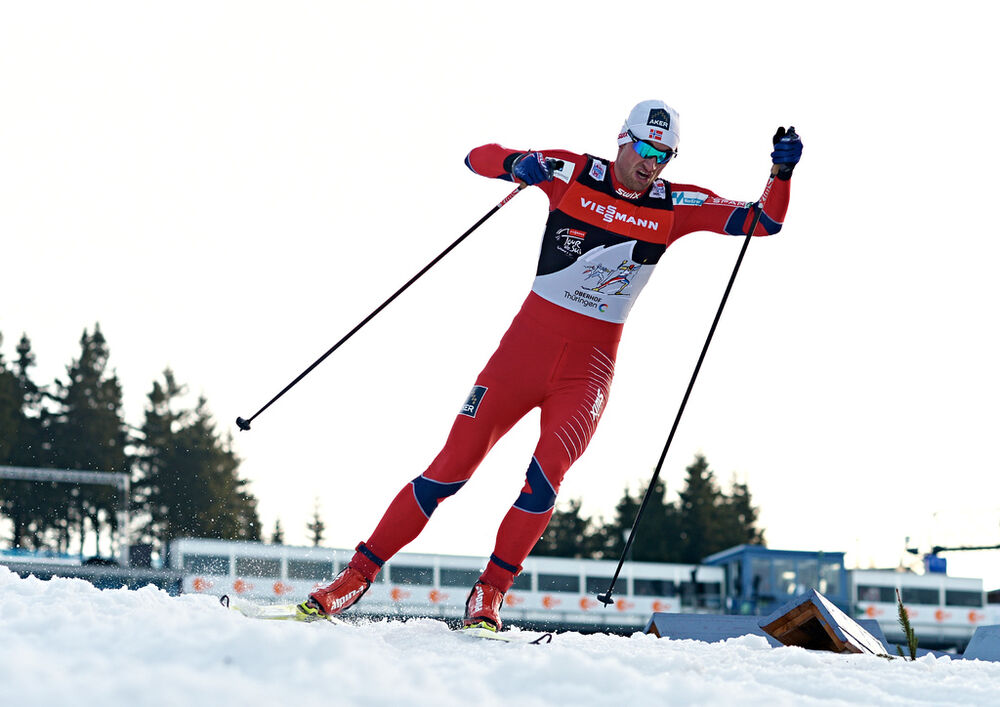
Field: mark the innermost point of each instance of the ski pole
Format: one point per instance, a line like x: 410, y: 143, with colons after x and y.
x: 758, y: 210
x: 244, y: 424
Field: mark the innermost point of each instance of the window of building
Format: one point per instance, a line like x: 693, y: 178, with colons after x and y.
x: 559, y: 583
x: 829, y: 577
x: 309, y: 569
x: 921, y: 595
x: 654, y: 587
x: 257, y: 567
x: 598, y: 585
x: 875, y: 593
x: 412, y: 574
x: 760, y: 571
x: 451, y: 577
x: 784, y: 575
x: 959, y: 597
x: 522, y: 582
x: 206, y: 564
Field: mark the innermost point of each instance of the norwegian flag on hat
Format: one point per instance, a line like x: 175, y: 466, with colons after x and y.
x: 655, y: 134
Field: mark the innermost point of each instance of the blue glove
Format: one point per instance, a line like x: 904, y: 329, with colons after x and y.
x: 787, y: 151
x: 532, y: 168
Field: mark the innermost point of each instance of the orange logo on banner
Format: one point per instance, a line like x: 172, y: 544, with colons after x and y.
x: 398, y: 594
x: 239, y: 586
x: 513, y: 599
x: 661, y: 605
x: 437, y: 596
x: 200, y: 584
x: 549, y: 601
x: 586, y: 603
x: 976, y: 617
x: 281, y: 588
x: 941, y: 615
x: 871, y: 612
x: 623, y: 605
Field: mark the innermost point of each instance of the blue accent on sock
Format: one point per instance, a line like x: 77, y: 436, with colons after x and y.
x: 363, y: 549
x: 504, y: 565
x: 542, y: 496
x: 430, y: 493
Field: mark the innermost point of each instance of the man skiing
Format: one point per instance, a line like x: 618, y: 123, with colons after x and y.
x: 559, y: 352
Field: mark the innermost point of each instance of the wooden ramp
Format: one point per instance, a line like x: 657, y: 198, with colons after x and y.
x: 812, y: 621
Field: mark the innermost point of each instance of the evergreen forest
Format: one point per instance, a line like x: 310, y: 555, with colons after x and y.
x: 702, y: 520
x: 184, y: 474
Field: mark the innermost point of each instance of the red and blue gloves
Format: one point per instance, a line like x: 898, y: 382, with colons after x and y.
x: 532, y: 168
x: 787, y: 151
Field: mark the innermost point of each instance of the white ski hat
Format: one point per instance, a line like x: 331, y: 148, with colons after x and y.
x: 654, y: 121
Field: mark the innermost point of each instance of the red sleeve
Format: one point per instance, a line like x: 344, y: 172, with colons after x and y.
x: 700, y: 209
x: 495, y: 161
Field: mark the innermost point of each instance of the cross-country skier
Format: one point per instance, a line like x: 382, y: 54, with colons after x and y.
x: 559, y: 352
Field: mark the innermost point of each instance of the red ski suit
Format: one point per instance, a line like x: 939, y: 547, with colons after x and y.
x: 600, y: 245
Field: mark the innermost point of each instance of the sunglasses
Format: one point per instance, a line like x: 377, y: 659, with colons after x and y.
x: 646, y: 150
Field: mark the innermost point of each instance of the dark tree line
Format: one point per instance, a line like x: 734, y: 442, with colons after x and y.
x: 185, y: 475
x: 702, y: 520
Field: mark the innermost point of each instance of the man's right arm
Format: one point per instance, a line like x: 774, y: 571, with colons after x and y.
x: 493, y: 161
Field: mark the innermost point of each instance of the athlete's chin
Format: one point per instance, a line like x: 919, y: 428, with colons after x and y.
x: 638, y: 184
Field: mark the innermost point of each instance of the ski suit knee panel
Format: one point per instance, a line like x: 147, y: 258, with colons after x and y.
x: 538, y: 494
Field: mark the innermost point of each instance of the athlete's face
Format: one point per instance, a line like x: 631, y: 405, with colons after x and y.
x: 634, y: 172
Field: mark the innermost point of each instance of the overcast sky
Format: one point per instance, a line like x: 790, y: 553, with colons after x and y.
x: 229, y: 187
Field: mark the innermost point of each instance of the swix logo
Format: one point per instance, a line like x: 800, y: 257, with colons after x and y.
x: 626, y: 193
x: 610, y: 214
x: 595, y: 409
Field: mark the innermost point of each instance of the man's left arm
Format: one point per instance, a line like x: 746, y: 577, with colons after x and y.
x: 699, y: 209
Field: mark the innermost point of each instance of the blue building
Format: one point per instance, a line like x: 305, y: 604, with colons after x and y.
x: 759, y: 580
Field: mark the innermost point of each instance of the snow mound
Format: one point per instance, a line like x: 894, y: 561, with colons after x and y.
x: 65, y: 642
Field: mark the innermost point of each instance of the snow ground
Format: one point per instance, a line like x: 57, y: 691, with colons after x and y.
x: 64, y: 642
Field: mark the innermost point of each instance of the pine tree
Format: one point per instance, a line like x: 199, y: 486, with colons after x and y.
x: 88, y: 431
x: 569, y: 534
x: 656, y: 535
x: 16, y: 497
x: 278, y: 534
x: 11, y: 404
x: 738, y: 518
x: 697, y: 512
x: 700, y: 522
x: 188, y: 483
x: 37, y: 502
x: 316, y: 526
